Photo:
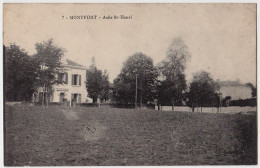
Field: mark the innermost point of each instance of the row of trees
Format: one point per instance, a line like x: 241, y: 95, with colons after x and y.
x: 20, y: 74
x: 25, y: 73
x: 165, y: 82
x: 139, y: 80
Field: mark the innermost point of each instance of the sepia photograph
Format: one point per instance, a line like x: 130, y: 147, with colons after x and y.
x: 129, y: 84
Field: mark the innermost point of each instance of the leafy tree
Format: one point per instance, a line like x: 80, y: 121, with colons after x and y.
x: 105, y: 90
x: 203, y: 91
x: 20, y: 74
x: 254, y: 89
x: 123, y: 92
x: 48, y: 59
x: 97, y: 83
x: 226, y: 101
x: 171, y: 70
x: 244, y: 102
x: 137, y: 67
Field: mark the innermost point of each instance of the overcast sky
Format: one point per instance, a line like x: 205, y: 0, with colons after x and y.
x: 221, y: 37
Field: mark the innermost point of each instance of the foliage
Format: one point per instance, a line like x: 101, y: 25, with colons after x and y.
x: 20, y: 74
x: 254, y: 89
x: 203, y: 91
x: 171, y: 69
x: 226, y: 101
x: 48, y: 59
x: 172, y: 90
x: 97, y: 83
x: 244, y: 102
x: 105, y: 91
x: 141, y: 66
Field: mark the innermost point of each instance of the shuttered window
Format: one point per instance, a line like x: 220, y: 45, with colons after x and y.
x: 66, y: 78
x: 76, y: 80
x: 75, y: 97
x: 72, y: 82
x: 63, y: 78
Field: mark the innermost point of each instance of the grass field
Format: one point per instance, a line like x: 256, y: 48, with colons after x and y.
x: 41, y: 136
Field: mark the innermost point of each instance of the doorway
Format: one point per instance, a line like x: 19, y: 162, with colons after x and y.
x: 62, y: 96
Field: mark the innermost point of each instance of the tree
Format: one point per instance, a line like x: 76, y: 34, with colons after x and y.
x: 254, y: 89
x: 226, y: 101
x: 48, y: 59
x: 104, y: 95
x: 172, y: 71
x: 20, y: 74
x: 203, y: 91
x: 97, y: 83
x: 137, y: 67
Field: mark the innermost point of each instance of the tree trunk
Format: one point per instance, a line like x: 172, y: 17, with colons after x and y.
x: 42, y: 96
x: 47, y: 98
x: 94, y: 100
x: 192, y: 107
x: 201, y: 109
x: 173, y: 104
x: 33, y: 97
x: 141, y: 97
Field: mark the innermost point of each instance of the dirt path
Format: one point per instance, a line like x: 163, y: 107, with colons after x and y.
x: 70, y: 115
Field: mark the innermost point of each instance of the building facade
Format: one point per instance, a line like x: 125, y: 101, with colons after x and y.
x: 235, y: 89
x: 73, y: 88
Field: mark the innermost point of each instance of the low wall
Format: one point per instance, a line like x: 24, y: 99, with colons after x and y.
x: 12, y: 103
x: 114, y: 105
x: 230, y: 110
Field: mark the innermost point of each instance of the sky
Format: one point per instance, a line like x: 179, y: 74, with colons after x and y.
x: 221, y: 37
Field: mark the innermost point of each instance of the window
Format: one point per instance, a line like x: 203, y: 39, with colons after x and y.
x: 79, y: 98
x: 75, y: 98
x: 76, y: 80
x: 62, y: 97
x: 63, y: 78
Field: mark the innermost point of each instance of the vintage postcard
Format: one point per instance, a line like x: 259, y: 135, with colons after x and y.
x: 130, y: 84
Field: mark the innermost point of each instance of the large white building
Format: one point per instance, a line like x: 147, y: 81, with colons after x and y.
x: 73, y: 88
x: 235, y: 89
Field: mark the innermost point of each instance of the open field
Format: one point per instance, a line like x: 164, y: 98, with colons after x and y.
x: 91, y: 136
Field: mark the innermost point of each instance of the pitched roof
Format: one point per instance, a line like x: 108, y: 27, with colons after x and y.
x: 230, y: 83
x: 70, y: 63
x: 73, y: 63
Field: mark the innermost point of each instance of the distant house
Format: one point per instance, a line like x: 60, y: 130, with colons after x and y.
x: 235, y: 89
x: 72, y: 90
